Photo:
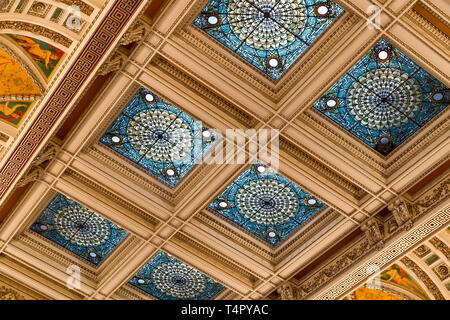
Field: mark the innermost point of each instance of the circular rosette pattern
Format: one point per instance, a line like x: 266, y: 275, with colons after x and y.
x: 384, y: 98
x: 178, y: 280
x: 267, y: 202
x: 159, y: 135
x: 82, y: 226
x: 259, y: 23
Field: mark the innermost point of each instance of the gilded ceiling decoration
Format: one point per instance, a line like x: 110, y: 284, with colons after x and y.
x: 167, y: 278
x: 78, y: 229
x: 159, y: 137
x: 266, y: 204
x: 44, y: 56
x: 384, y: 98
x: 270, y: 35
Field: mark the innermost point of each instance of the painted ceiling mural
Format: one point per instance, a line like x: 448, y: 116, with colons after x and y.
x: 396, y: 276
x: 166, y: 278
x: 159, y: 137
x: 44, y: 56
x: 266, y: 204
x: 384, y: 98
x: 364, y: 293
x: 271, y: 35
x: 78, y: 229
x: 14, y: 82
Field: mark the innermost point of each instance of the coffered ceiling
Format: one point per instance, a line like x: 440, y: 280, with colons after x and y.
x: 362, y: 186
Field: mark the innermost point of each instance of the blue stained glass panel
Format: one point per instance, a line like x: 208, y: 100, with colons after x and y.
x: 266, y: 204
x: 269, y: 34
x: 384, y: 98
x: 166, y: 278
x: 159, y: 137
x: 78, y: 229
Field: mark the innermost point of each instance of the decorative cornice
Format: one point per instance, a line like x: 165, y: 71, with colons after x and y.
x: 153, y: 221
x: 427, y: 29
x: 168, y: 68
x: 186, y: 242
x: 310, y: 229
x: 60, y: 255
x: 252, y: 243
x: 342, y: 262
x: 128, y: 169
x: 326, y: 172
x: 341, y: 138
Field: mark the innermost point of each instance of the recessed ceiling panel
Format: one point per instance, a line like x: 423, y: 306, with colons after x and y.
x: 167, y: 278
x: 266, y: 204
x: 384, y: 98
x: 78, y: 229
x: 159, y: 137
x: 269, y: 34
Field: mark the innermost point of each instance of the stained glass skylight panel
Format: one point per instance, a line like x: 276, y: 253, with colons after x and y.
x: 266, y: 204
x: 159, y: 137
x: 166, y: 278
x: 384, y: 98
x: 78, y: 229
x: 269, y: 34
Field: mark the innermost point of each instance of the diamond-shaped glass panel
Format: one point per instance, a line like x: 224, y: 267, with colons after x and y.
x: 78, y: 229
x: 384, y: 98
x: 167, y: 278
x: 266, y: 204
x: 159, y: 137
x: 269, y: 34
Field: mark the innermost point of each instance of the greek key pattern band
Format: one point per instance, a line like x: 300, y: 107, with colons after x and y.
x: 395, y: 250
x: 88, y: 59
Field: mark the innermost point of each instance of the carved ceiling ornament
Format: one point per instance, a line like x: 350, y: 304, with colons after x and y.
x: 401, y: 214
x: 113, y: 63
x: 374, y: 231
x: 10, y: 294
x: 134, y: 34
x: 287, y: 292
